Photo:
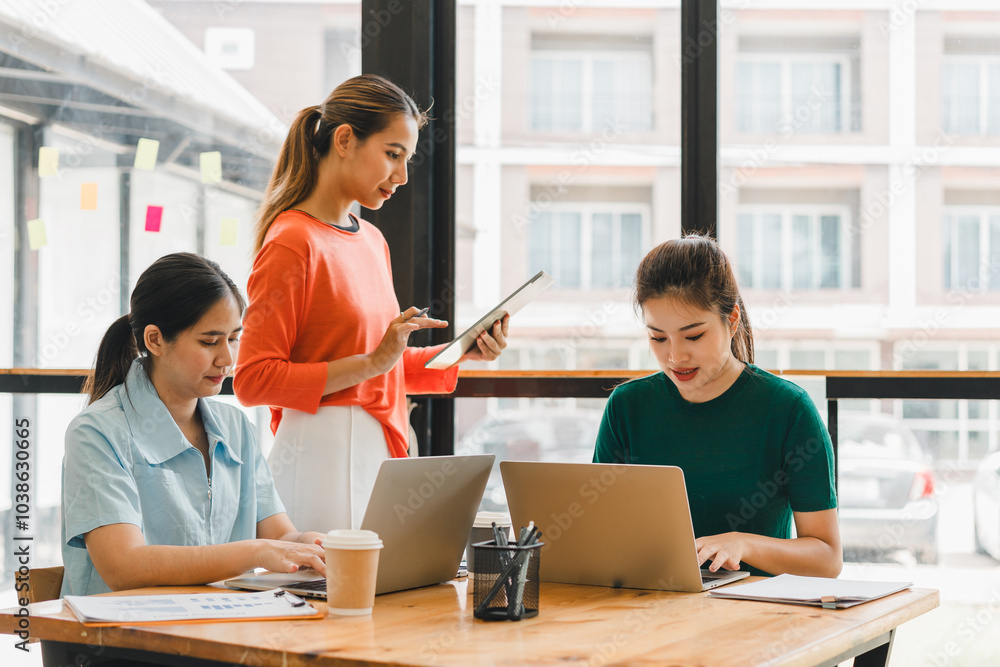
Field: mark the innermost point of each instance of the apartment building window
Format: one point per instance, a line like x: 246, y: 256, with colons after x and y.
x: 970, y: 85
x: 795, y: 84
x: 587, y: 246
x: 970, y: 240
x: 579, y: 87
x: 797, y: 249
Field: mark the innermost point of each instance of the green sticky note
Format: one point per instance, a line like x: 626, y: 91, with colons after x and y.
x: 48, y: 161
x: 145, y: 154
x: 229, y: 231
x: 36, y: 234
x: 211, y: 167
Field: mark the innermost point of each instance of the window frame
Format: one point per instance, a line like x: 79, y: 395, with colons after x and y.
x: 982, y: 61
x: 587, y: 211
x: 983, y: 213
x: 587, y: 60
x: 787, y: 213
x: 787, y: 114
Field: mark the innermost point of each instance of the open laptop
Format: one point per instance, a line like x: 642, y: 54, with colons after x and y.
x: 610, y: 525
x: 422, y: 509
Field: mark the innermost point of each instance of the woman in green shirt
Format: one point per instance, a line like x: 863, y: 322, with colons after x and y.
x: 755, y: 453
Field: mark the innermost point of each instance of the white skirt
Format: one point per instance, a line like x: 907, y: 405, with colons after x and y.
x: 324, y: 465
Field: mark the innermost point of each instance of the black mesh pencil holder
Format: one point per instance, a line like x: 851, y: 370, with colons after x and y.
x: 506, y: 583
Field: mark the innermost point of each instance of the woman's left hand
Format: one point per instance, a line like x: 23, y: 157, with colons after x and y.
x: 725, y: 550
x: 490, y: 343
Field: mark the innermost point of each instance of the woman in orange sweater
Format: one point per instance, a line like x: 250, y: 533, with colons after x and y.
x: 325, y: 342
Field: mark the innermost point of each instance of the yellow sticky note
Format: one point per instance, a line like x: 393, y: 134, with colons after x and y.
x: 36, y: 234
x: 229, y: 231
x: 88, y: 196
x: 48, y: 161
x: 211, y: 167
x: 145, y: 154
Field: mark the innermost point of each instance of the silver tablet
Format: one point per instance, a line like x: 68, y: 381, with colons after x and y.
x: 451, y: 353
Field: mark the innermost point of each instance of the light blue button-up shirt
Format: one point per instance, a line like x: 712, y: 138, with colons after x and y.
x: 128, y: 462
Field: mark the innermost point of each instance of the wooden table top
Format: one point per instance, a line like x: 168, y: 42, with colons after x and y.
x: 575, y: 624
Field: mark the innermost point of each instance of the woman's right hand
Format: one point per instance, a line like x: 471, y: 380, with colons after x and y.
x: 279, y: 556
x: 390, y: 349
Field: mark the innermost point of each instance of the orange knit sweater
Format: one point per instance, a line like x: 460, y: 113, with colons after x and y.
x: 319, y: 293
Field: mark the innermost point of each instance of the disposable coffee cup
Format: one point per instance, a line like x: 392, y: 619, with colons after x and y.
x: 351, y: 571
x: 482, y: 531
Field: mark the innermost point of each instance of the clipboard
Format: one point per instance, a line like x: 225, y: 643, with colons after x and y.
x: 517, y: 300
x: 222, y: 607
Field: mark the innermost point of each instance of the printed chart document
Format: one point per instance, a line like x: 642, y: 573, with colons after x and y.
x: 815, y: 591
x: 193, y: 607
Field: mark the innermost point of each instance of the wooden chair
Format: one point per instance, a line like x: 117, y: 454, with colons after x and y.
x: 44, y: 583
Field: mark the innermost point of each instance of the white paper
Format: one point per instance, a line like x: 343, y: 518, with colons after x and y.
x: 196, y: 606
x: 810, y: 590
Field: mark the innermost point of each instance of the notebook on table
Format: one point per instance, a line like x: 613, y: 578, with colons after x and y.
x: 616, y: 525
x: 422, y: 509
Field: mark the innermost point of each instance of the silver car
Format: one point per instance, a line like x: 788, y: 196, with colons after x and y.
x: 886, y: 489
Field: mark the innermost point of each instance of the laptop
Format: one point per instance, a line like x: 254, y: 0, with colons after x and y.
x: 624, y: 526
x: 422, y: 509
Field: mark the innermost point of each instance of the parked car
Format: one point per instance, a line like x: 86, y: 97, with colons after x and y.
x: 533, y: 435
x: 886, y: 489
x: 986, y: 506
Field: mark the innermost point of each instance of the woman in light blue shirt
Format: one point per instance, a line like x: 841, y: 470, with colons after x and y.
x: 162, y: 486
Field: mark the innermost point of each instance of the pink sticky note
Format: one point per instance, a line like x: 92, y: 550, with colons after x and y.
x: 153, y: 216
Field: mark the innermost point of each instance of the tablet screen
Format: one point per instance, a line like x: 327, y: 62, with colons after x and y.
x: 451, y: 353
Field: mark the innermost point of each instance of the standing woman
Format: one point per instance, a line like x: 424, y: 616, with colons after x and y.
x: 162, y: 486
x: 755, y: 454
x: 326, y: 342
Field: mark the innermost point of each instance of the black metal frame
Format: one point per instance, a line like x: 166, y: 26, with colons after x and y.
x: 413, y: 44
x: 699, y: 117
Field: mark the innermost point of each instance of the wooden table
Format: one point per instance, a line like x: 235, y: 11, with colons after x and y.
x: 576, y: 624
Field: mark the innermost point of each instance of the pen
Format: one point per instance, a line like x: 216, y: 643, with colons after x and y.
x: 293, y: 600
x: 420, y: 313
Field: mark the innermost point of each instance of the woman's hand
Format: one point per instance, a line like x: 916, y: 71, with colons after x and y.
x: 725, y: 550
x: 488, y: 347
x: 279, y: 556
x: 397, y: 335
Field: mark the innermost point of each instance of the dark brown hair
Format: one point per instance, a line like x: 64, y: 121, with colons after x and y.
x: 172, y: 294
x: 367, y: 103
x: 695, y: 271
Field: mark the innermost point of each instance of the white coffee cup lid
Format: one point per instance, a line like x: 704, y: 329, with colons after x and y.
x: 486, y: 519
x: 352, y: 539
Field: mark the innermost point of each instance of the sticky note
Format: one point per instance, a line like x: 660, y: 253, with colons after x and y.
x: 153, y: 216
x: 145, y: 154
x: 211, y: 167
x: 229, y: 231
x: 88, y: 196
x: 48, y: 161
x: 36, y: 234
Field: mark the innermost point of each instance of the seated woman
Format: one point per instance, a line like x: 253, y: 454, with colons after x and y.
x: 754, y: 451
x: 160, y: 485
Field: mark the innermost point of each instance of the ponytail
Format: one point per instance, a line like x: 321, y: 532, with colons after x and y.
x: 114, y: 358
x: 295, y: 173
x: 742, y: 343
x: 367, y: 104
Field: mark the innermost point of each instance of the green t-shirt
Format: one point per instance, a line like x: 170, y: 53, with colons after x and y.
x: 750, y: 456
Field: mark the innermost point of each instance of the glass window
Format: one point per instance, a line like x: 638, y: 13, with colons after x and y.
x: 588, y: 91
x: 796, y: 251
x: 970, y: 95
x: 807, y: 92
x: 971, y: 250
x: 587, y: 248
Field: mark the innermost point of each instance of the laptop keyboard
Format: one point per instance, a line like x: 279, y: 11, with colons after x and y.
x: 317, y: 585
